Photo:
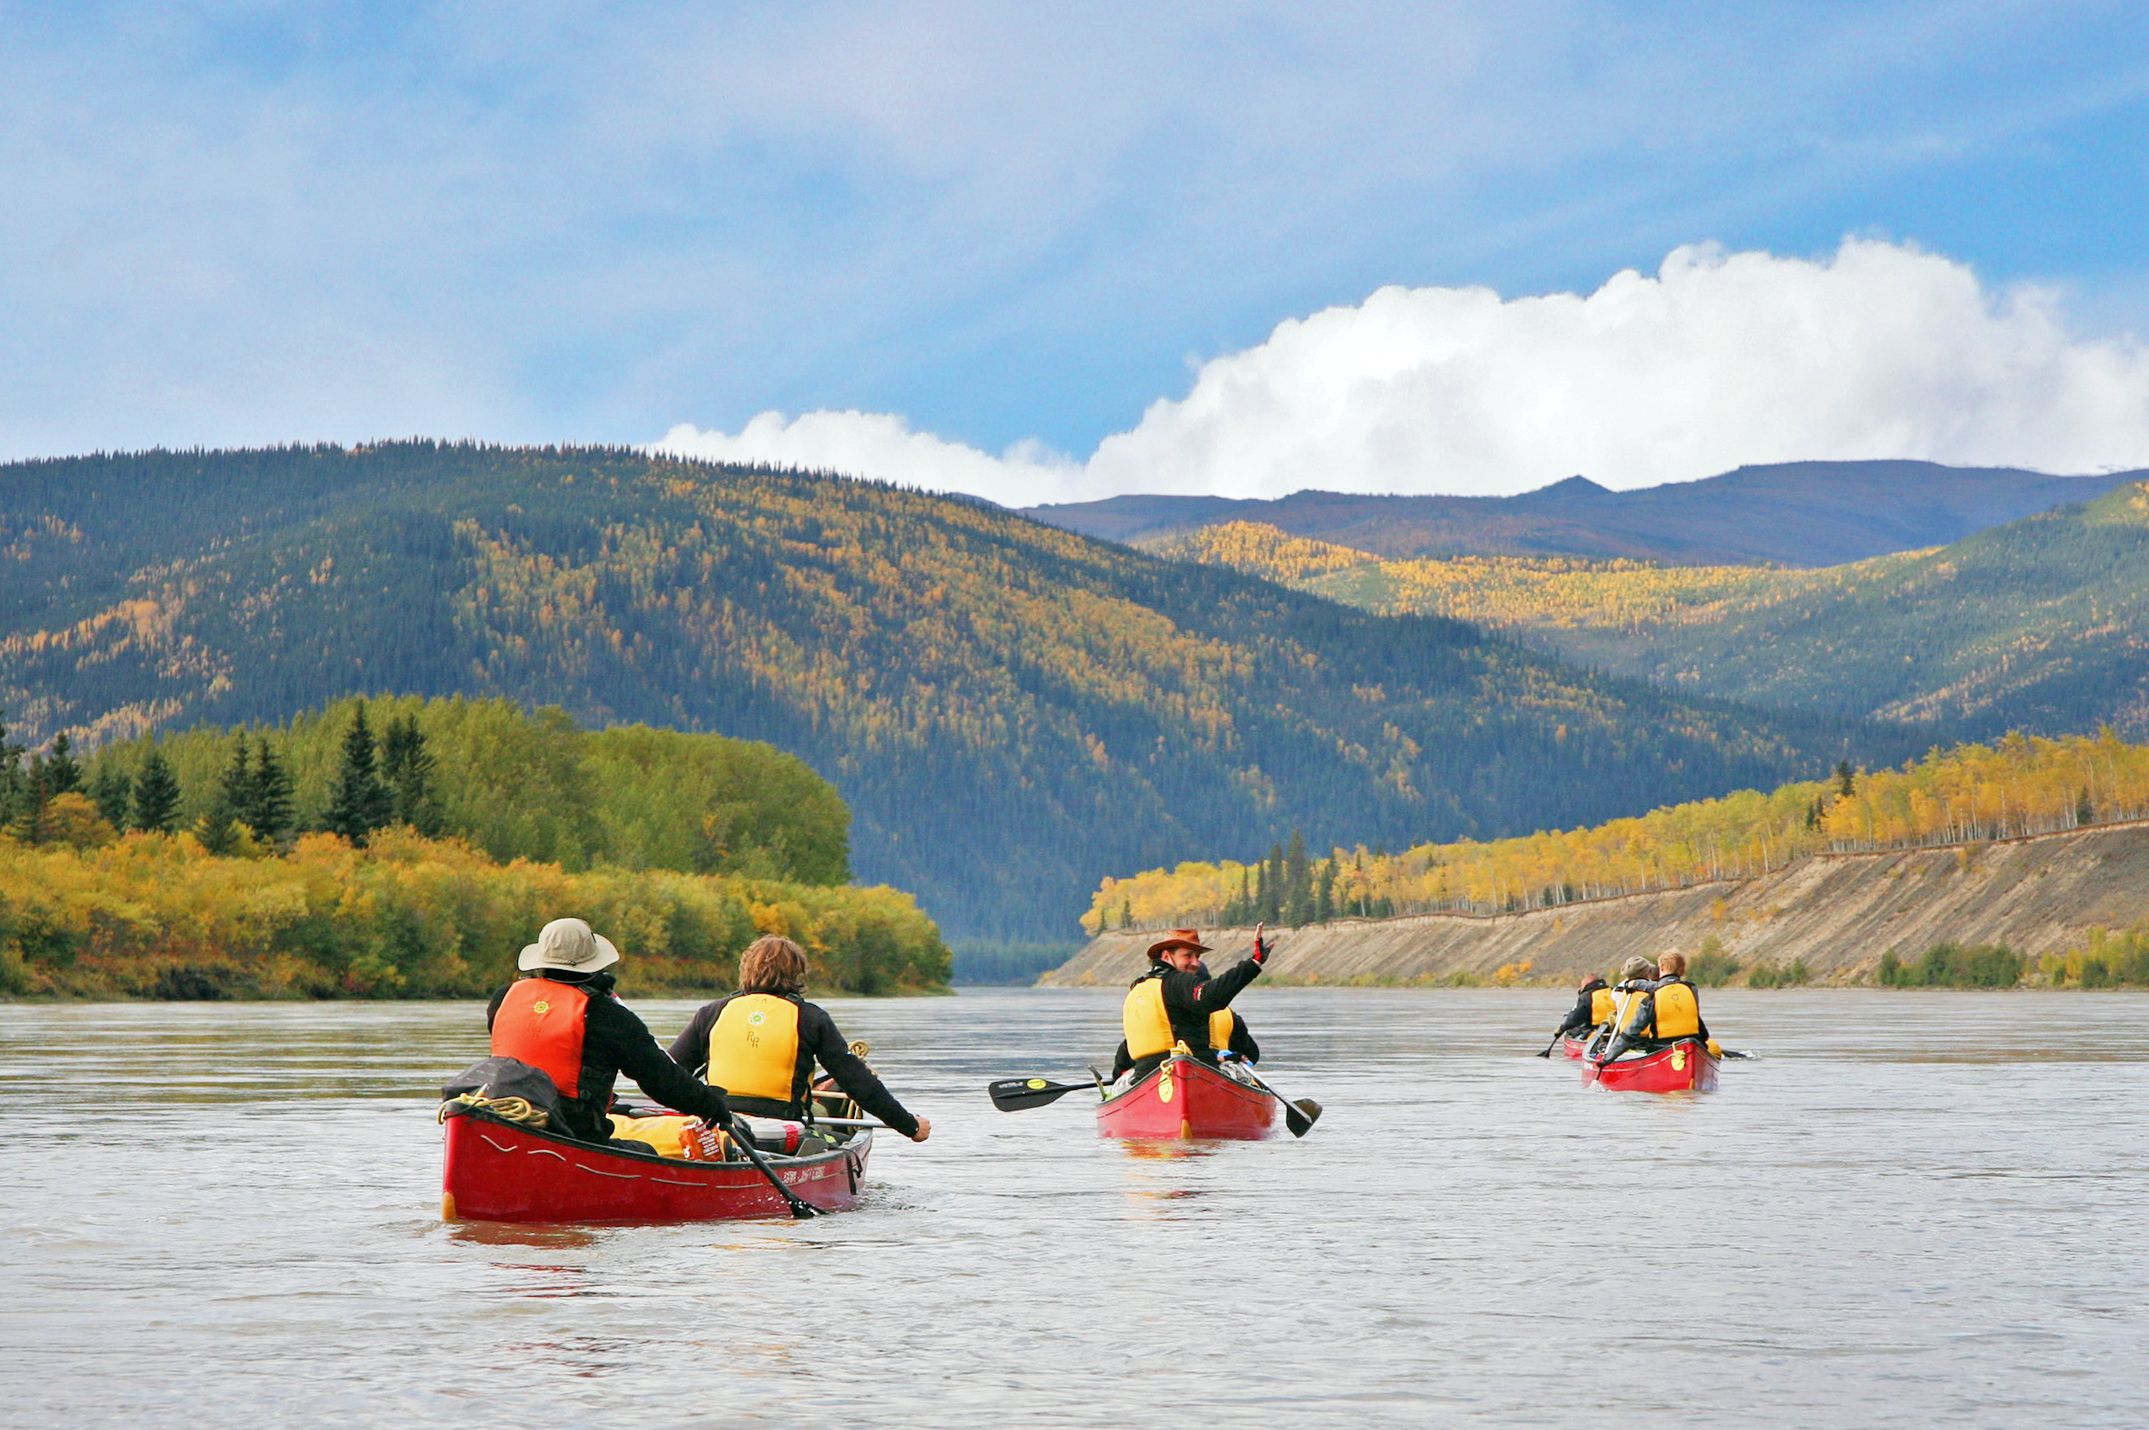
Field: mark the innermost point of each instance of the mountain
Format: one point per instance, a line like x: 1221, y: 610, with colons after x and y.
x: 1793, y: 514
x: 1008, y: 709
x: 2040, y: 624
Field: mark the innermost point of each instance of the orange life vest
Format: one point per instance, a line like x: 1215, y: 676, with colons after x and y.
x: 541, y: 1023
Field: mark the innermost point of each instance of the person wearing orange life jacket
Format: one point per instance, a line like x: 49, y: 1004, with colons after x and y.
x: 761, y: 1044
x: 561, y: 1017
x: 1228, y: 1033
x: 1174, y: 1001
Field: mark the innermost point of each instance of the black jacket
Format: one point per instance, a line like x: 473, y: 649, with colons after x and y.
x: 1189, y: 999
x: 1578, y: 1017
x: 818, y: 1040
x: 615, y: 1041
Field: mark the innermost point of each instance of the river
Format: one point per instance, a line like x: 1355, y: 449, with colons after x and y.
x: 1913, y: 1208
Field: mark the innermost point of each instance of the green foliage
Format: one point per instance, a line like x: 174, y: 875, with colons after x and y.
x: 1949, y: 965
x: 1006, y: 708
x: 1711, y: 967
x: 528, y: 786
x: 358, y: 801
x: 2110, y: 959
x: 156, y: 793
x: 1769, y: 975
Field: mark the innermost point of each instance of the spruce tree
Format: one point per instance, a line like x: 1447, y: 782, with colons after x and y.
x: 1846, y: 782
x: 32, y: 794
x: 11, y: 777
x: 1297, y: 884
x: 218, y: 826
x: 358, y: 803
x: 62, y: 774
x: 113, y: 793
x: 1324, y: 892
x: 266, y: 809
x: 156, y: 794
x: 407, y: 771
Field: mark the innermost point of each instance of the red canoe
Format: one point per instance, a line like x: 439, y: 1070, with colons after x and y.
x: 1574, y: 1046
x: 502, y: 1171
x: 1183, y: 1097
x: 1684, y: 1066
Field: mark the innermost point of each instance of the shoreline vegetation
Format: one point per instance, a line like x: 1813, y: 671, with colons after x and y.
x: 311, y: 860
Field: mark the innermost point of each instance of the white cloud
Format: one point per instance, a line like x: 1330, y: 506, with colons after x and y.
x: 1717, y: 360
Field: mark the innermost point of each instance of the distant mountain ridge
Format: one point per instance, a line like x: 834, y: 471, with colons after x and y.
x: 1008, y: 709
x: 2040, y: 624
x: 1791, y: 514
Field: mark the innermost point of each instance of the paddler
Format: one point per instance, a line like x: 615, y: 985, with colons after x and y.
x: 1228, y: 1033
x: 1174, y: 1002
x: 761, y: 1043
x: 561, y: 1016
x: 1676, y: 1014
x: 1621, y: 1001
x: 1589, y: 1009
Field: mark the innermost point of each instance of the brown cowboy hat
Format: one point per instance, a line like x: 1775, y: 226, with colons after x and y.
x: 1180, y: 938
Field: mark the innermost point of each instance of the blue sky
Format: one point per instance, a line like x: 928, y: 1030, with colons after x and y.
x: 994, y: 224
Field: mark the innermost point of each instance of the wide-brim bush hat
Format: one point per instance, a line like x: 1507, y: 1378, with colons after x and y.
x: 1180, y: 938
x: 571, y: 946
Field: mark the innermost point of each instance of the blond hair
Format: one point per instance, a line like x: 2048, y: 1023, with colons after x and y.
x: 774, y: 964
x: 1672, y: 965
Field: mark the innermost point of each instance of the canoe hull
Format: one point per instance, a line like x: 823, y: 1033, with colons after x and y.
x: 1574, y: 1047
x: 496, y: 1170
x: 1685, y: 1066
x: 1184, y: 1098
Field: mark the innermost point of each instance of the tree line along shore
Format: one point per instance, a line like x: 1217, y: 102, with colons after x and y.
x: 320, y: 859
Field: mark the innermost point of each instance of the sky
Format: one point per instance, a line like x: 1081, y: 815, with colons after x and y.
x: 1056, y: 253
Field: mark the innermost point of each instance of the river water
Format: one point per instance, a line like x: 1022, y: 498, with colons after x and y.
x: 1914, y: 1207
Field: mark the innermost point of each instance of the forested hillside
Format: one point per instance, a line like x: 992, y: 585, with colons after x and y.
x: 1007, y: 708
x: 1967, y: 794
x: 2039, y: 625
x: 1792, y: 514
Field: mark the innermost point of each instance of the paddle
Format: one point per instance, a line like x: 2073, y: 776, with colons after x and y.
x: 1014, y: 1094
x: 1546, y: 1051
x: 1742, y: 1057
x: 743, y: 1137
x: 1299, y: 1116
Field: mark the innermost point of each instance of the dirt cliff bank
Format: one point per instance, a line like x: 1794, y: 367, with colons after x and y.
x: 1838, y: 912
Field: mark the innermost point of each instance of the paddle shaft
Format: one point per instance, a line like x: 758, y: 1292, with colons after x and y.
x: 743, y: 1135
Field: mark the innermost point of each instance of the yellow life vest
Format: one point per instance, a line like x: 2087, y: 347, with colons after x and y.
x: 1221, y: 1022
x: 1600, y: 1005
x: 1148, y: 1026
x: 753, y: 1049
x: 1678, y: 1012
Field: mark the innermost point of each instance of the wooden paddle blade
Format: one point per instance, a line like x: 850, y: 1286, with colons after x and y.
x: 1300, y: 1116
x: 1013, y: 1094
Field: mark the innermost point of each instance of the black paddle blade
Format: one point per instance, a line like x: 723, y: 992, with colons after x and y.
x: 1013, y: 1094
x: 1300, y: 1116
x: 804, y: 1211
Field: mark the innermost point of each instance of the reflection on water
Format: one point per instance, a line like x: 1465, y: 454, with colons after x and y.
x: 1915, y: 1207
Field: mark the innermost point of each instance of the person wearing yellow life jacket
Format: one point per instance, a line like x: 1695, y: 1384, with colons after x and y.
x: 1674, y: 1009
x: 561, y: 1017
x: 1228, y: 1033
x: 1174, y: 1001
x: 1620, y: 1002
x: 1592, y: 1005
x: 761, y: 1043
